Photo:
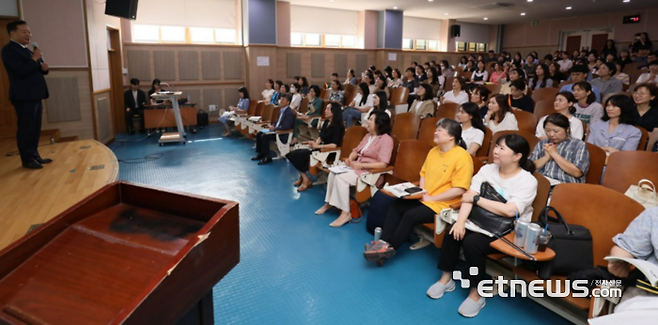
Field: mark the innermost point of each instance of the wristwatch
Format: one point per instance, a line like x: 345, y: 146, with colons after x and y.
x: 476, y: 199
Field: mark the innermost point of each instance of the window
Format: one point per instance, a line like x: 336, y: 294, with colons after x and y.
x: 172, y: 34
x: 332, y: 40
x: 312, y: 40
x: 482, y: 47
x: 202, y: 35
x: 407, y: 44
x: 146, y: 33
x: 349, y: 41
x: 297, y: 39
x: 320, y: 40
x: 225, y: 36
x: 178, y: 34
x: 471, y: 47
x: 461, y: 46
x: 420, y: 44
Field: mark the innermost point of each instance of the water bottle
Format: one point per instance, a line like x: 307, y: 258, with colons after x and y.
x: 378, y: 233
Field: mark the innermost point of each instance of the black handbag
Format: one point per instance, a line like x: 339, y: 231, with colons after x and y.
x: 572, y: 245
x: 497, y: 225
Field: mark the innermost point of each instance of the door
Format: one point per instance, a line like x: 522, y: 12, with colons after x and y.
x: 598, y: 41
x: 116, y: 80
x: 573, y: 43
x: 7, y: 114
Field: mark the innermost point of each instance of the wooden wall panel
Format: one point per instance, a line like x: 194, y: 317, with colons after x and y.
x: 193, y: 94
x: 231, y: 97
x: 104, y: 118
x: 317, y: 65
x: 188, y: 65
x: 340, y: 64
x: 139, y: 64
x: 165, y: 65
x: 212, y: 97
x: 232, y: 66
x: 83, y: 127
x: 362, y: 64
x: 211, y: 65
x: 293, y: 64
x: 63, y: 105
x: 417, y: 59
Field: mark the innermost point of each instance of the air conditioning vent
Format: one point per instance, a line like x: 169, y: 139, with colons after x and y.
x: 494, y: 6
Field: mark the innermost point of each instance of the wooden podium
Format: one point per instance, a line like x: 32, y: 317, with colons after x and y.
x: 179, y: 136
x: 127, y: 254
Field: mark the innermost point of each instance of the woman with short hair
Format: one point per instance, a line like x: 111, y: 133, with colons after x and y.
x: 563, y: 104
x: 423, y: 106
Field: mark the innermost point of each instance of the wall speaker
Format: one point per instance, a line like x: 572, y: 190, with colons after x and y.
x: 455, y: 31
x: 121, y: 8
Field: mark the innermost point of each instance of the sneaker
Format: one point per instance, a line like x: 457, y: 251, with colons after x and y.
x: 380, y: 250
x: 437, y: 290
x: 471, y: 308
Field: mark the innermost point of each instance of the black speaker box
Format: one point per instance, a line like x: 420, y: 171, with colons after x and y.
x: 202, y: 119
x: 455, y: 31
x: 121, y: 8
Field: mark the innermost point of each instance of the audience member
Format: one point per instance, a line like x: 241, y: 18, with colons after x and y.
x: 646, y: 99
x: 285, y: 121
x: 395, y: 80
x: 436, y: 81
x: 331, y: 136
x: 605, y: 82
x: 555, y: 74
x: 625, y: 57
x: 315, y: 104
x: 303, y: 83
x: 446, y: 69
x: 296, y: 98
x: 155, y: 88
x: 445, y: 176
x: 134, y: 100
x: 499, y: 117
x: 380, y: 103
x: 472, y: 127
x: 351, y: 78
x: 616, y: 131
x: 541, y: 79
x: 241, y: 108
x: 564, y: 104
x: 336, y: 94
x: 530, y: 67
x: 517, y: 99
x: 480, y: 75
x: 625, y: 79
x: 651, y: 76
x: 565, y: 63
x: 462, y: 61
x: 514, y: 74
x: 609, y: 49
x: 269, y: 91
x: 374, y: 151
x: 423, y: 106
x: 518, y: 60
x: 560, y: 158
x: 361, y: 104
x: 458, y: 93
x: 277, y: 94
x: 498, y: 76
x: 420, y: 74
x: 587, y: 108
x: 480, y: 97
x: 578, y: 74
x: 511, y: 175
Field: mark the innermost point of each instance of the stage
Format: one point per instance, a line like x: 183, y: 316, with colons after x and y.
x: 31, y: 197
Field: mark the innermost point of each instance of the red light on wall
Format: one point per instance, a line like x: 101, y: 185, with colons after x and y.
x: 633, y: 19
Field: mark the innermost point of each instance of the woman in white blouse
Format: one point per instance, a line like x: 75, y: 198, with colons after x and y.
x: 472, y: 126
x: 458, y: 94
x: 500, y: 117
x: 395, y: 81
x: 269, y: 91
x: 361, y: 104
x: 563, y: 104
x: 296, y: 97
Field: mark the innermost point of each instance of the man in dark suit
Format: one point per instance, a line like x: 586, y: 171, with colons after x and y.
x: 134, y: 100
x: 286, y: 121
x: 27, y: 87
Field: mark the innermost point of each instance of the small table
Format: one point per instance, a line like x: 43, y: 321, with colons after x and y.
x: 504, y: 248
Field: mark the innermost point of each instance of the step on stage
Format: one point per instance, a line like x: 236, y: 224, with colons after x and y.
x: 31, y: 197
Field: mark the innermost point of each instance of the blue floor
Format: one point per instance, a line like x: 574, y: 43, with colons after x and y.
x: 294, y: 268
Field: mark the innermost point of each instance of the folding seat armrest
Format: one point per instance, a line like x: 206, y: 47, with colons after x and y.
x: 330, y: 149
x: 381, y: 170
x: 284, y: 131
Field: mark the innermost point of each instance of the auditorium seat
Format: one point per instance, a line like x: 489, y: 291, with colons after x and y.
x: 626, y: 168
x: 369, y: 179
x: 483, y: 151
x: 544, y: 94
x: 351, y: 139
x: 447, y: 110
x: 406, y: 126
x: 427, y: 129
x: 597, y: 158
x: 527, y: 121
x: 642, y: 145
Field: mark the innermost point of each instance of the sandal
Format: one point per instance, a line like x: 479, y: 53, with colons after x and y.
x: 298, y: 182
x: 304, y: 187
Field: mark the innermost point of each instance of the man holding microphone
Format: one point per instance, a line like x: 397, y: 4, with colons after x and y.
x: 27, y: 88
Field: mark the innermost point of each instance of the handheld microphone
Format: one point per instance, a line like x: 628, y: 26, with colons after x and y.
x: 36, y: 46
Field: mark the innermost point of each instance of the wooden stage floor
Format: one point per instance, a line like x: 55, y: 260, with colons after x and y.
x: 29, y: 197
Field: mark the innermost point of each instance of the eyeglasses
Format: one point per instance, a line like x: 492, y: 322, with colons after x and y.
x: 640, y: 94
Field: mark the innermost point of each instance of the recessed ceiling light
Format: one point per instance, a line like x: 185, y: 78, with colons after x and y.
x: 627, y: 0
x: 446, y: 14
x: 430, y: 0
x: 485, y: 18
x: 568, y: 8
x: 395, y: 7
x: 529, y: 0
x: 523, y: 14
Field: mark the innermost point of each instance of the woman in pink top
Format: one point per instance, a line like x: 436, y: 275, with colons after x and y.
x: 498, y: 76
x: 374, y: 151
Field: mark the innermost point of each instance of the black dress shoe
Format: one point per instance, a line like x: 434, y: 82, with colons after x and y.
x: 33, y: 165
x: 257, y: 157
x: 265, y: 161
x: 44, y: 160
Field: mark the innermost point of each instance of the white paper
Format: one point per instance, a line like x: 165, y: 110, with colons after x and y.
x: 339, y: 169
x: 392, y: 56
x: 263, y: 61
x: 399, y: 189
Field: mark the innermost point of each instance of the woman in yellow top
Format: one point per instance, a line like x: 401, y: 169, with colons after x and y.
x: 445, y: 176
